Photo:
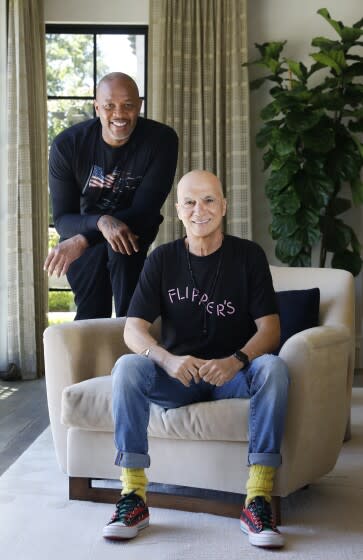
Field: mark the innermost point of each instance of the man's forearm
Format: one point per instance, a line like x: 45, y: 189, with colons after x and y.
x: 266, y: 339
x: 138, y: 339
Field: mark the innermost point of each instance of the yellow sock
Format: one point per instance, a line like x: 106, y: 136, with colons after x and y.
x: 260, y: 482
x: 133, y: 479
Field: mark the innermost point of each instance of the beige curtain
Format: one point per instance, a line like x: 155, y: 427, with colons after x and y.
x: 27, y: 186
x: 198, y: 86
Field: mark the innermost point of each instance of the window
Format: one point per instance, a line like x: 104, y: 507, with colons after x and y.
x: 77, y: 57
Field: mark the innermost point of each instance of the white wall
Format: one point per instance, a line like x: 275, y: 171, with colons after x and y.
x: 135, y: 12
x: 3, y: 199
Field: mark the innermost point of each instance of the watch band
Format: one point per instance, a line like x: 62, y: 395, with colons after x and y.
x: 242, y: 357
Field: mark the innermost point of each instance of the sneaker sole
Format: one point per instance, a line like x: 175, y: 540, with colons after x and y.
x: 116, y: 532
x: 267, y: 539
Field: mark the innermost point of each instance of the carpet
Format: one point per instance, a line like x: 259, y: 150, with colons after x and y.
x: 38, y: 522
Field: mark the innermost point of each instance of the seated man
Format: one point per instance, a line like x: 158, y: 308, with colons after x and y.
x: 220, y: 324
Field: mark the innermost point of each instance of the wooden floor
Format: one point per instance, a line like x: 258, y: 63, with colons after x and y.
x: 24, y: 415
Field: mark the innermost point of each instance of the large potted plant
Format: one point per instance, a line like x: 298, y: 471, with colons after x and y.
x: 312, y: 141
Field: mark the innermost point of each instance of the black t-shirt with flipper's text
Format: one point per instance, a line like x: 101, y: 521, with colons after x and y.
x: 243, y: 293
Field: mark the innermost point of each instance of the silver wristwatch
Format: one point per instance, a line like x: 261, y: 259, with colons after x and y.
x: 145, y: 352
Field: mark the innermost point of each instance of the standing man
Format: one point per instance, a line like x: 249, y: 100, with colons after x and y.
x: 108, y: 179
x: 217, y: 341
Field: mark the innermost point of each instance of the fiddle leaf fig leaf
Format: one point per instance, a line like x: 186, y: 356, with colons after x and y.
x: 339, y: 205
x: 255, y: 84
x: 337, y: 25
x: 280, y: 178
x: 356, y: 246
x: 354, y: 71
x: 337, y: 235
x: 270, y: 111
x: 307, y: 217
x: 350, y: 34
x: 285, y: 141
x: 297, y: 68
x: 324, y: 43
x: 357, y: 113
x: 319, y: 139
x: 303, y: 120
x: 271, y: 49
x: 357, y: 191
x: 288, y: 247
x: 313, y: 235
x: 287, y: 203
x: 358, y: 23
x: 265, y: 135
x: 347, y: 260
x: 359, y: 145
x: 283, y: 225
x: 302, y: 259
x: 356, y: 126
x: 330, y: 60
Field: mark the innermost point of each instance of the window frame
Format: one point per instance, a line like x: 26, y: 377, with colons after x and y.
x: 97, y: 29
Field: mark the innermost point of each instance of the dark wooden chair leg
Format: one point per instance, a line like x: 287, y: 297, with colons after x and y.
x: 82, y: 489
x: 276, y: 509
x: 190, y: 503
x: 348, y: 430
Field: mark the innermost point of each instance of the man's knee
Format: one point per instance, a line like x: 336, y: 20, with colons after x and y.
x: 131, y: 370
x: 278, y: 372
x: 274, y: 371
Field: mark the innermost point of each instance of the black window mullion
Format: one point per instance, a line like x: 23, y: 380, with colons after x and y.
x: 75, y: 97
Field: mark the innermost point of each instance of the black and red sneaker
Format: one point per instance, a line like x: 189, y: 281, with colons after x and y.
x: 131, y: 515
x: 257, y: 522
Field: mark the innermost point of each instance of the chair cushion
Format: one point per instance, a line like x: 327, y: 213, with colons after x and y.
x: 299, y: 310
x: 88, y: 405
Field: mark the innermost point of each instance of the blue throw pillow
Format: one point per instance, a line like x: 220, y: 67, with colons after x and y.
x: 299, y: 310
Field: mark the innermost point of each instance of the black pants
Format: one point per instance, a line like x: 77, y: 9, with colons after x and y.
x: 100, y: 273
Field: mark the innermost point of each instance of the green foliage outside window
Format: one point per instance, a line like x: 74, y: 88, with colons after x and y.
x: 61, y: 301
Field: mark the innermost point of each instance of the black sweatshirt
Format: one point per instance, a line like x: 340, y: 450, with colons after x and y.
x: 88, y: 178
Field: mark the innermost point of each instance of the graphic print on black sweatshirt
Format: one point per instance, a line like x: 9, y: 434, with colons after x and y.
x: 111, y: 189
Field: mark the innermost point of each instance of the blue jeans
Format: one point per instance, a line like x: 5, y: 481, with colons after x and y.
x: 137, y: 381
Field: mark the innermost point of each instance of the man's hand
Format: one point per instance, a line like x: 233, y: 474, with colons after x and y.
x: 62, y: 256
x: 183, y: 368
x: 218, y: 372
x: 119, y: 235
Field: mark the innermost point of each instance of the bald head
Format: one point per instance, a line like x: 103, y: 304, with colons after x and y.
x: 118, y: 78
x: 118, y: 105
x: 203, y: 179
x: 201, y: 206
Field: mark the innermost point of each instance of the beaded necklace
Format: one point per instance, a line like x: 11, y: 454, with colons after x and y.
x: 213, y: 283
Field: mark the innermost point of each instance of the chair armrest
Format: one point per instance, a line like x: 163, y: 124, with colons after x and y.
x: 74, y: 352
x: 81, y: 350
x: 319, y: 398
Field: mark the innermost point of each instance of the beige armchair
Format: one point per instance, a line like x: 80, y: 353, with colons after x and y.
x: 192, y: 446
